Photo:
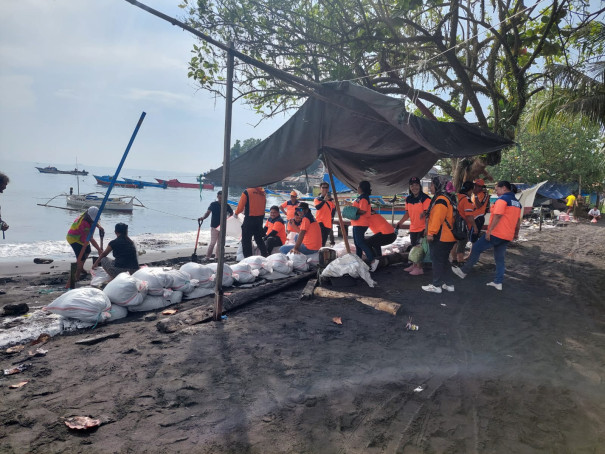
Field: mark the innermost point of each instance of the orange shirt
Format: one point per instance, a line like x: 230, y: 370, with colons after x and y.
x: 277, y: 226
x: 465, y: 207
x: 323, y: 212
x: 478, y: 199
x: 510, y: 209
x: 252, y: 202
x: 290, y: 208
x: 415, y: 206
x: 378, y: 224
x: 442, y: 210
x: 312, y: 239
x: 363, y: 203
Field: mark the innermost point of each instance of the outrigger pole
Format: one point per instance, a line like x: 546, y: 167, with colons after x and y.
x: 73, y: 277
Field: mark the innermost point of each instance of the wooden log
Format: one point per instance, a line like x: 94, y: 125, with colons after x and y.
x: 377, y: 303
x: 97, y: 339
x: 307, y: 292
x: 204, y: 313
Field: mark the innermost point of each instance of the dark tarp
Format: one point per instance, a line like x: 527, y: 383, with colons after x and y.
x: 553, y: 190
x: 365, y: 135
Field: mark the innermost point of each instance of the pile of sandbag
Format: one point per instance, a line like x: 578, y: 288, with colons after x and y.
x: 87, y: 304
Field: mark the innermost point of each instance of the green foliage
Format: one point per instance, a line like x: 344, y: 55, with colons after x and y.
x: 239, y: 148
x: 564, y: 151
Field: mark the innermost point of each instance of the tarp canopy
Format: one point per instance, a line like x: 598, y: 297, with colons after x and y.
x: 339, y: 185
x: 552, y: 189
x: 365, y: 136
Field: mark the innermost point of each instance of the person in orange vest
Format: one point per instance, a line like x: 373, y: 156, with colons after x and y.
x: 503, y: 228
x: 360, y: 225
x: 275, y: 230
x: 465, y: 209
x: 289, y: 206
x: 439, y: 235
x: 480, y: 199
x: 252, y: 203
x: 324, y: 206
x: 309, y: 238
x: 384, y: 233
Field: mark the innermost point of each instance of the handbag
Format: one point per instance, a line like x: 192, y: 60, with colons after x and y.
x: 350, y: 212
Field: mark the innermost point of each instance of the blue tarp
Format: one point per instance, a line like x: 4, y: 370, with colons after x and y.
x: 553, y: 190
x: 340, y: 186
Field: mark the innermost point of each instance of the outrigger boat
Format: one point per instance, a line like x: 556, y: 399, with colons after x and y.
x: 54, y: 170
x: 119, y: 203
x: 105, y: 180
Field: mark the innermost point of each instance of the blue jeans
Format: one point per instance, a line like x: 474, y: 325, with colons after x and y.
x: 360, y: 243
x: 303, y: 249
x: 481, y: 245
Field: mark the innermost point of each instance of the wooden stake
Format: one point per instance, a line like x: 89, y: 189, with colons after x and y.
x: 343, y: 229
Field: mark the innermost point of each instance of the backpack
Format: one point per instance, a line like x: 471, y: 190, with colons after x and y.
x: 460, y: 228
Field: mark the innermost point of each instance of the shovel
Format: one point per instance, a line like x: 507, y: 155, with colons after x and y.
x: 194, y: 255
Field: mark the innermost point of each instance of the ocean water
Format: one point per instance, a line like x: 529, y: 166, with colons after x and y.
x: 169, y: 219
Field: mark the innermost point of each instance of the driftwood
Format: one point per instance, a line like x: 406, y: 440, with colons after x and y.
x: 97, y: 339
x: 205, y: 312
x: 377, y: 303
x: 307, y: 292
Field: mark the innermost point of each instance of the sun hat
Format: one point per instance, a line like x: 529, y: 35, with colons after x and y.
x: 479, y: 182
x: 92, y: 212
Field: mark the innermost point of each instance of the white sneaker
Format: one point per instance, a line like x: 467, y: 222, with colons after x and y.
x: 449, y: 288
x: 431, y: 288
x: 374, y: 265
x: 496, y: 286
x: 458, y: 272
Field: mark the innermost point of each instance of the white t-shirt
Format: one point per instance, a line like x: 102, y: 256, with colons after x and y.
x: 594, y: 212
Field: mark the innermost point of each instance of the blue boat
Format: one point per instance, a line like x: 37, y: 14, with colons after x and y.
x: 163, y: 185
x: 105, y: 180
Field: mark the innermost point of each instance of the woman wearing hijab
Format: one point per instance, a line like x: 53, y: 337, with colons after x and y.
x: 124, y: 252
x: 77, y: 234
x: 440, y: 237
x: 360, y: 225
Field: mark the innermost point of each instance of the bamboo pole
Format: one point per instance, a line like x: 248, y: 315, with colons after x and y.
x: 218, y: 286
x: 344, y: 231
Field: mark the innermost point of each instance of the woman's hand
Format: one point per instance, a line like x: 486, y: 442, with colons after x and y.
x: 429, y: 237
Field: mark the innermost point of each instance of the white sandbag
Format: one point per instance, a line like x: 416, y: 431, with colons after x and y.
x: 87, y: 304
x: 157, y: 279
x: 242, y: 273
x: 182, y: 281
x: 349, y: 264
x: 257, y: 262
x: 279, y: 262
x: 198, y: 293
x: 154, y: 302
x: 313, y: 260
x: 126, y: 290
x: 175, y: 298
x: 200, y: 272
x: 227, y: 273
x: 299, y: 261
x: 99, y: 277
x: 117, y: 312
x: 341, y: 249
x: 233, y: 227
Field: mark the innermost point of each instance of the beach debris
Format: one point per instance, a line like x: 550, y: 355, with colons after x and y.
x: 444, y: 305
x: 307, y: 292
x: 36, y: 353
x: 418, y: 389
x: 169, y: 312
x: 410, y: 326
x: 15, y: 349
x: 21, y: 384
x: 82, y: 423
x: 42, y: 339
x: 377, y: 303
x: 97, y: 339
x: 337, y: 320
x: 43, y: 261
x: 17, y: 370
x: 15, y: 309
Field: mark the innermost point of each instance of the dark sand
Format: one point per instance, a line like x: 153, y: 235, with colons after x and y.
x: 517, y: 371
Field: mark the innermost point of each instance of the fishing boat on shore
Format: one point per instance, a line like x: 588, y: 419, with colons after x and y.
x: 105, y: 180
x: 146, y: 183
x: 117, y: 203
x: 54, y: 170
x: 174, y: 183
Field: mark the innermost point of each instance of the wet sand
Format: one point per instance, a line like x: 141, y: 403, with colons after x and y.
x: 514, y: 371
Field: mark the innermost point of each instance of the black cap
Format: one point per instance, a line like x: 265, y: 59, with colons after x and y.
x: 414, y: 180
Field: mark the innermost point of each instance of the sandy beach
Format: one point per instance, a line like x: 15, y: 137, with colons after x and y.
x: 520, y: 370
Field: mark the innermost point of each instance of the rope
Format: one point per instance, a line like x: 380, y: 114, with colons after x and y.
x: 169, y: 214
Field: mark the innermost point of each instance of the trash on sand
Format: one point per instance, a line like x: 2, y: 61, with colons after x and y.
x: 169, y: 312
x: 559, y: 343
x: 15, y: 349
x: 419, y: 389
x: 18, y: 385
x: 410, y: 326
x: 337, y: 320
x: 42, y: 339
x: 82, y: 423
x: 443, y: 304
x: 16, y: 370
x: 40, y: 261
x: 37, y: 352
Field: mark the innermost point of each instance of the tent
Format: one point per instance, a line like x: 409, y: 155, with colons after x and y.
x: 363, y: 135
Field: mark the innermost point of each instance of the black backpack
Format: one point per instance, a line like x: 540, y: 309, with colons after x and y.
x: 460, y: 228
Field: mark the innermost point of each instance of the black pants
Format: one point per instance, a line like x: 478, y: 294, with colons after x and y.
x: 440, y: 252
x: 325, y: 233
x: 375, y: 241
x: 253, y: 227
x: 272, y: 242
x: 474, y: 236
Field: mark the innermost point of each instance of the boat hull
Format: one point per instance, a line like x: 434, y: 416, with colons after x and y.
x: 106, y: 181
x: 146, y: 183
x: 174, y: 183
x: 55, y: 171
x: 124, y: 204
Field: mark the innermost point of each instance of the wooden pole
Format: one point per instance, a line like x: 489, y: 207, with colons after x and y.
x: 218, y: 285
x: 343, y: 229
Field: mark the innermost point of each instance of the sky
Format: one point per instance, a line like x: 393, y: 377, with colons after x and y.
x: 76, y: 75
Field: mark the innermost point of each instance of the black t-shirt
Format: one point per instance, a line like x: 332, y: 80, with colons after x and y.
x: 215, y: 208
x: 124, y: 252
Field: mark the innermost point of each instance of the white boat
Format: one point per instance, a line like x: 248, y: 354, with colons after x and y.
x: 119, y: 203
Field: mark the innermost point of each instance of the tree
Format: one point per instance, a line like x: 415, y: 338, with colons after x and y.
x: 468, y: 61
x: 239, y: 149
